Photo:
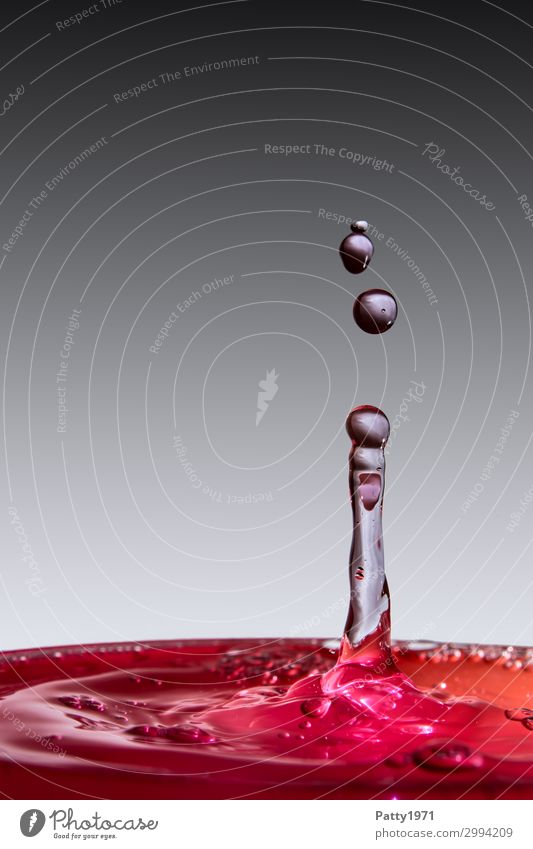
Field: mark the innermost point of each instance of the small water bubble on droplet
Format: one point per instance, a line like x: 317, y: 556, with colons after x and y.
x: 316, y: 708
x: 305, y: 724
x: 284, y: 735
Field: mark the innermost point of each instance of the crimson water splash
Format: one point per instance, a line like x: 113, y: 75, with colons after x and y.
x: 279, y: 718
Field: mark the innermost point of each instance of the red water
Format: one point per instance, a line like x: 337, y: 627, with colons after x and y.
x: 278, y: 719
x: 281, y: 718
x: 228, y: 719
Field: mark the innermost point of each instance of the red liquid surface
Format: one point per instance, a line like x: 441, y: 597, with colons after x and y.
x: 265, y: 719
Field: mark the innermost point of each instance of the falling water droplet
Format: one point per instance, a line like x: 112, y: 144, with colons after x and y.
x: 375, y: 311
x: 356, y: 250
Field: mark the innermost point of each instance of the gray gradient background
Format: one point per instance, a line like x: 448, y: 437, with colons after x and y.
x: 125, y: 545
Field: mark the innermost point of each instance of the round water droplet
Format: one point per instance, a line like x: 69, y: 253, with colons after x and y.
x: 375, y: 311
x: 356, y: 250
x: 316, y: 708
x: 368, y: 427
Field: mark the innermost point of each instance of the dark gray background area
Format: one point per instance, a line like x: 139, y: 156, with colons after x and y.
x: 155, y: 507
